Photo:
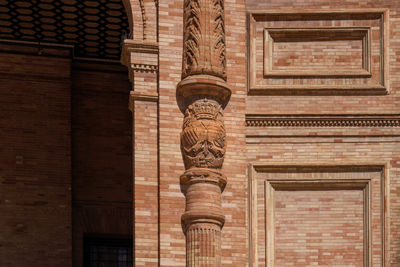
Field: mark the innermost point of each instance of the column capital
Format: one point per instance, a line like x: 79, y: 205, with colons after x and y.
x: 202, y: 85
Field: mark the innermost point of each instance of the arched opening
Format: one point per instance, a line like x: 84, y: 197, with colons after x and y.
x: 71, y: 132
x: 93, y: 28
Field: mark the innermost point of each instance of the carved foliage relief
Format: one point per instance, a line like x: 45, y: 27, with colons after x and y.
x: 203, y: 136
x: 204, y: 38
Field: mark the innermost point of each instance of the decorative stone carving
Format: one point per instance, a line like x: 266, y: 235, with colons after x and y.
x: 195, y: 251
x: 204, y: 38
x: 361, y: 120
x: 203, y: 135
x: 202, y: 95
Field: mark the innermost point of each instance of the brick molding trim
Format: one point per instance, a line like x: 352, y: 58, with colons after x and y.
x: 296, y: 176
x: 269, y: 28
x: 145, y: 68
x: 141, y: 58
x: 361, y: 120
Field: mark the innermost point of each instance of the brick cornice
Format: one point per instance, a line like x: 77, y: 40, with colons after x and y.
x: 144, y: 68
x: 141, y: 58
x: 134, y: 46
x: 359, y: 120
x: 140, y: 97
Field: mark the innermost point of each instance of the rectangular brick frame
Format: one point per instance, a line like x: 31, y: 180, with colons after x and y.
x: 379, y: 88
x: 272, y: 35
x: 330, y: 184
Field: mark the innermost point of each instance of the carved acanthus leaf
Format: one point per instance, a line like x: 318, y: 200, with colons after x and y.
x: 202, y: 94
x: 219, y: 37
x: 204, y: 38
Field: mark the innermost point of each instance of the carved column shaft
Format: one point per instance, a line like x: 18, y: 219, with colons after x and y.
x: 202, y: 95
x: 204, y: 38
x: 203, y: 245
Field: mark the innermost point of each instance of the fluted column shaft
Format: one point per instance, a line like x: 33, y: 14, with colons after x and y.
x: 203, y: 218
x: 202, y: 96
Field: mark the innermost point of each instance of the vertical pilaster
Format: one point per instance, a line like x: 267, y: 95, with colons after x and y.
x: 202, y: 96
x: 142, y: 61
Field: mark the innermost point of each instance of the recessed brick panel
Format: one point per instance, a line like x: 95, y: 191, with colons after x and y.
x: 317, y: 50
x: 338, y: 52
x: 318, y: 227
x: 330, y: 217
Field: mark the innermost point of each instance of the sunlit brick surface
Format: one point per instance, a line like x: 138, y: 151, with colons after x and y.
x: 330, y: 144
x: 321, y: 225
x: 324, y: 51
x: 318, y: 55
x: 35, y: 177
x: 319, y: 228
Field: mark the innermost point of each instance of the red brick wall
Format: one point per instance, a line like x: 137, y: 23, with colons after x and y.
x: 35, y: 173
x: 323, y: 227
x: 335, y: 144
x: 101, y: 153
x: 35, y: 191
x: 322, y: 152
x: 145, y: 200
x: 352, y: 104
x: 318, y: 55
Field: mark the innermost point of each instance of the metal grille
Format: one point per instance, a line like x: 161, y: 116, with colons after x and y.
x: 95, y: 28
x: 102, y: 252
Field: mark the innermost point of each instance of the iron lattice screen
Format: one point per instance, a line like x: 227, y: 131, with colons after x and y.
x: 94, y: 28
x: 108, y: 252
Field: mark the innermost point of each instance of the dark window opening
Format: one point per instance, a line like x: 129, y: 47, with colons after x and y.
x: 108, y: 252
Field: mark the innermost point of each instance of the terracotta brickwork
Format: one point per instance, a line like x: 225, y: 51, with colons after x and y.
x: 35, y: 180
x: 274, y: 131
x: 202, y: 96
x: 101, y: 153
x: 333, y: 129
x: 342, y: 154
x: 304, y: 52
x: 69, y: 131
x: 314, y: 215
x: 140, y: 55
x: 276, y: 144
x: 146, y: 183
x: 317, y: 55
x: 319, y: 227
x: 172, y: 202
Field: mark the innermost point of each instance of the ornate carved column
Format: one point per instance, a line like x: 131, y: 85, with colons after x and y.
x: 202, y: 95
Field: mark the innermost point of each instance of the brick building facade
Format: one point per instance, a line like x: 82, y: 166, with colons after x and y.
x: 94, y: 129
